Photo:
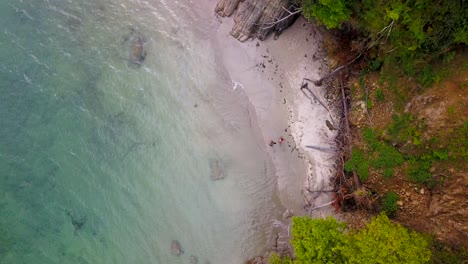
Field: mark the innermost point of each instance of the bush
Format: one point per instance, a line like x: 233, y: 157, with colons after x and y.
x: 317, y: 241
x: 324, y: 241
x: 384, y: 156
x: 385, y: 242
x: 419, y: 170
x: 358, y: 163
x: 389, y: 204
x: 458, y: 147
x: 276, y: 259
x: 379, y: 95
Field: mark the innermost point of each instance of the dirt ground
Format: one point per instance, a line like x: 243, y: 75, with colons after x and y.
x: 440, y: 109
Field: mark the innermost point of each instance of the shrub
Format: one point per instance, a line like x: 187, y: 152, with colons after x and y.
x: 276, y: 259
x: 385, y: 242
x: 384, y: 156
x: 327, y: 12
x: 358, y: 163
x: 379, y: 95
x: 458, y: 148
x: 324, y: 241
x: 419, y: 169
x: 317, y: 241
x: 389, y: 204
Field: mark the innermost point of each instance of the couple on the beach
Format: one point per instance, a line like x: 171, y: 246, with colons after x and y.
x: 280, y: 140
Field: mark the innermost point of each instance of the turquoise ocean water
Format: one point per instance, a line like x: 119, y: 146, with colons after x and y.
x: 105, y: 161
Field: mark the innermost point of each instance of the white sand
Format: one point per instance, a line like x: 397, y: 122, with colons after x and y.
x: 281, y: 108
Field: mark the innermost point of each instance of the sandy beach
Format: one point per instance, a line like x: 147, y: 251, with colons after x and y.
x: 271, y: 73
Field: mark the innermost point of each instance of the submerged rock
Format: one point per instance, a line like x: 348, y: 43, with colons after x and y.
x: 217, y: 172
x: 136, y: 41
x: 176, y: 248
x: 193, y: 259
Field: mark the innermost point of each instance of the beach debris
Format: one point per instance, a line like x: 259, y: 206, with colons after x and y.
x: 329, y: 125
x: 136, y: 45
x: 217, y: 172
x: 271, y: 143
x: 288, y: 214
x: 280, y: 140
x: 176, y: 248
x: 193, y: 259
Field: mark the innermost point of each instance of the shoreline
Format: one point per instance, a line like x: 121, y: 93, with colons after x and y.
x: 271, y: 72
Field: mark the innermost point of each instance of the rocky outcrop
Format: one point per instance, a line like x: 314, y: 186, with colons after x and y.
x: 255, y: 18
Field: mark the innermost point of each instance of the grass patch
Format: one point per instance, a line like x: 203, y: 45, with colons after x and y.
x: 458, y: 147
x: 379, y: 95
x: 419, y: 170
x: 359, y: 163
x: 419, y: 167
x: 384, y: 157
x: 402, y: 128
x: 427, y: 76
x: 451, y: 110
x: 381, y: 156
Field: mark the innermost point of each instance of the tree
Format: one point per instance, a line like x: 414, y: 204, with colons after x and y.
x: 331, y: 13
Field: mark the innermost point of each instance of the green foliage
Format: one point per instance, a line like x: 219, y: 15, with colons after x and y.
x: 441, y: 154
x: 443, y: 253
x: 358, y: 163
x: 406, y: 35
x: 317, y: 241
x: 458, y: 147
x: 428, y: 76
x: 331, y: 13
x: 323, y: 241
x: 389, y: 204
x: 276, y: 259
x: 449, y: 56
x: 451, y: 110
x: 384, y: 156
x: 385, y: 242
x: 379, y: 95
x: 419, y: 169
x: 381, y: 156
x: 403, y: 130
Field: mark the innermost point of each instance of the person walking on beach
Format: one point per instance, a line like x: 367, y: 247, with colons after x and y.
x: 280, y: 140
x: 271, y: 143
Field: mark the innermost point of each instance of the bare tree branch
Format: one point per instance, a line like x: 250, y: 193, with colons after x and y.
x: 305, y: 86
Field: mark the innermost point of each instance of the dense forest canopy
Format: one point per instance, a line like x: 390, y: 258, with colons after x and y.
x: 411, y: 33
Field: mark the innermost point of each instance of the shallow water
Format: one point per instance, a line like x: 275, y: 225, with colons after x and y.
x: 106, y: 161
